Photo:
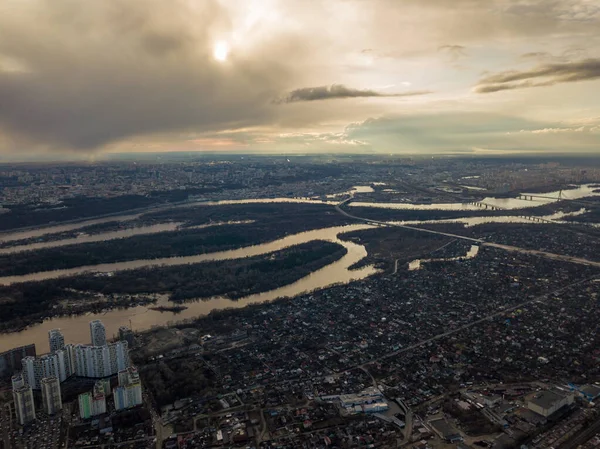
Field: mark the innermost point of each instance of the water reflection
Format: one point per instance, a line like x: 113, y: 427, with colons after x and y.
x: 113, y: 235
x: 557, y: 218
x: 39, y: 232
x: 537, y: 199
x: 416, y: 264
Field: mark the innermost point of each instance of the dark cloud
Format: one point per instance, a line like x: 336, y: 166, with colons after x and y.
x: 454, y: 51
x: 106, y: 71
x: 542, y: 75
x: 338, y: 91
x: 536, y: 55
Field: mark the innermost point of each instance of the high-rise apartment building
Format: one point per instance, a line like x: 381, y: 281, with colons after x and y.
x: 129, y: 392
x: 79, y: 360
x: 101, y: 361
x: 56, y: 340
x: 10, y: 361
x: 126, y: 334
x: 57, y: 364
x: 23, y: 399
x: 97, y: 333
x: 51, y: 396
x: 92, y: 403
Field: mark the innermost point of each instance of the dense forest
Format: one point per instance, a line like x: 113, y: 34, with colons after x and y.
x: 185, y: 242
x: 265, y: 212
x: 231, y: 278
x: 385, y: 245
x: 177, y: 379
x: 24, y: 303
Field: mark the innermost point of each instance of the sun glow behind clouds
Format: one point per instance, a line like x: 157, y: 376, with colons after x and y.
x: 221, y: 51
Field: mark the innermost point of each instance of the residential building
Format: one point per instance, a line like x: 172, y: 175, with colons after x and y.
x: 10, y: 361
x: 23, y: 399
x: 97, y: 333
x: 126, y: 334
x: 51, y: 395
x: 92, y: 403
x: 79, y: 360
x: 129, y: 392
x: 56, y: 340
x: 57, y: 364
x: 100, y: 361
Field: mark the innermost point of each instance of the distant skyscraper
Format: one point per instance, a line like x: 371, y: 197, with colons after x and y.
x: 97, y: 333
x: 23, y: 398
x: 56, y: 339
x: 129, y: 392
x: 51, y: 397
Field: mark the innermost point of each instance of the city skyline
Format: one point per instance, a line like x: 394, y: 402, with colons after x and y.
x: 406, y: 77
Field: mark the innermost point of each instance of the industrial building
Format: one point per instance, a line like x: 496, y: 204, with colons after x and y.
x: 548, y: 402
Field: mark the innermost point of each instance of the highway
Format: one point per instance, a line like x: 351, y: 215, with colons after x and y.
x: 481, y: 242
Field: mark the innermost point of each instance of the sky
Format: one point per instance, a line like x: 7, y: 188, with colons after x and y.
x: 299, y: 76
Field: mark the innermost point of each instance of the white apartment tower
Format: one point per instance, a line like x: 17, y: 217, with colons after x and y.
x: 101, y: 361
x: 97, y: 333
x: 23, y: 398
x: 57, y: 364
x: 56, y: 340
x: 129, y: 392
x: 51, y: 397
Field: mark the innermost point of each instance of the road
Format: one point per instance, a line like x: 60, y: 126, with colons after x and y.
x: 408, y: 420
x: 583, y: 436
x: 481, y: 242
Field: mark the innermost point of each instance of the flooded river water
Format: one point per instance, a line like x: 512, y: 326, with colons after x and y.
x: 76, y: 329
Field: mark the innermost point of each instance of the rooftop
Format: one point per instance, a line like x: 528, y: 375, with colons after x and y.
x: 546, y: 399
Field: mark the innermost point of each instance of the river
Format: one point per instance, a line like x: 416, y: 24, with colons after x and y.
x: 76, y: 329
x: 581, y: 191
x: 416, y: 264
x: 113, y: 235
x: 538, y: 199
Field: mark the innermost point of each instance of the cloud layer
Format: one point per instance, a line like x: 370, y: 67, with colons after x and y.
x: 140, y: 75
x: 338, y: 91
x: 542, y: 75
x: 89, y: 75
